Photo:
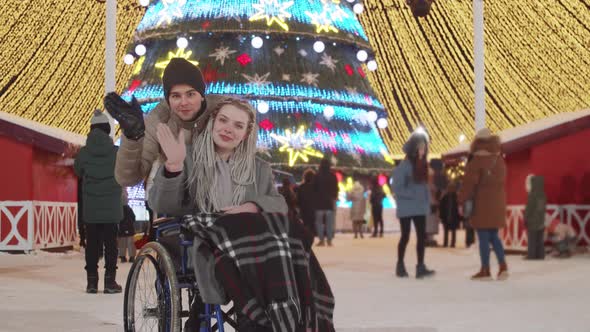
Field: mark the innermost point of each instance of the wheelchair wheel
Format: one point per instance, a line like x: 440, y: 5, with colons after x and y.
x: 152, y: 298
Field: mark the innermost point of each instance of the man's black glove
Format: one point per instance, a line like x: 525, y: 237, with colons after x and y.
x: 129, y: 116
x: 82, y: 232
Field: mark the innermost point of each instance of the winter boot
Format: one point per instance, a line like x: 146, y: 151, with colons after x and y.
x: 503, y: 272
x: 131, y: 259
x: 400, y: 270
x: 123, y: 259
x: 110, y: 284
x: 483, y: 274
x: 91, y: 283
x: 423, y: 272
x: 321, y: 243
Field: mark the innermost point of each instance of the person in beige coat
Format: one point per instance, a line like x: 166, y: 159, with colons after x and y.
x: 357, y: 210
x: 185, y: 108
x: 484, y: 182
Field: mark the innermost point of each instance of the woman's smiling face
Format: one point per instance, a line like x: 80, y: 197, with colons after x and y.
x: 230, y: 128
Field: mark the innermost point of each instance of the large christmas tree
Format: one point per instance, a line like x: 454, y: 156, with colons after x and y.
x: 301, y: 63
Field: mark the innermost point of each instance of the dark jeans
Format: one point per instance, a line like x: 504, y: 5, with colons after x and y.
x: 487, y: 237
x: 453, y: 236
x: 97, y: 236
x: 377, y: 221
x: 406, y: 225
x: 536, y: 244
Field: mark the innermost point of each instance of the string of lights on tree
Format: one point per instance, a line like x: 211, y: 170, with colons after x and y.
x: 302, y: 64
x: 537, y: 60
x: 537, y: 63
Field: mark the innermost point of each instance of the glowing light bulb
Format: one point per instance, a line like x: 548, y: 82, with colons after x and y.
x: 257, y: 42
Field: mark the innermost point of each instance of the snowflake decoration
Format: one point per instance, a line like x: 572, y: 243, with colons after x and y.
x: 257, y: 80
x: 286, y: 77
x: 279, y: 50
x: 273, y: 12
x: 297, y: 146
x: 233, y: 15
x: 310, y: 78
x: 172, y: 8
x: 352, y: 90
x: 222, y: 53
x: 303, y: 53
x: 179, y: 54
x: 328, y: 61
x: 321, y: 22
x: 324, y: 21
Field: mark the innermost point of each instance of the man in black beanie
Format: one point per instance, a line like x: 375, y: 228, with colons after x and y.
x: 186, y: 107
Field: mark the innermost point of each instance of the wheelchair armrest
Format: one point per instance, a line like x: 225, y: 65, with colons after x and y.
x: 163, y: 220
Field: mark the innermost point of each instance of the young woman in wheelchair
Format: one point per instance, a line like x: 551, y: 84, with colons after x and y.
x: 217, y: 173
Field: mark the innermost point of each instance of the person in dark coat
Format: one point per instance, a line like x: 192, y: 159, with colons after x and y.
x: 102, y: 208
x: 469, y: 231
x: 305, y: 201
x: 449, y: 214
x: 376, y: 199
x: 534, y: 216
x: 287, y: 191
x: 326, y: 193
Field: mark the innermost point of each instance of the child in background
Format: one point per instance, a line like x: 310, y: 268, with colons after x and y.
x: 563, y: 237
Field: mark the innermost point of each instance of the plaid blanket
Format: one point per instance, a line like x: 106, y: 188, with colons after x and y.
x: 266, y: 265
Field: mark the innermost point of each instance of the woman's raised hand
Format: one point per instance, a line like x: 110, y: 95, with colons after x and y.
x: 173, y: 147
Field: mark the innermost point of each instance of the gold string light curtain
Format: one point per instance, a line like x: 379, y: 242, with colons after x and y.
x: 52, y: 62
x: 537, y: 63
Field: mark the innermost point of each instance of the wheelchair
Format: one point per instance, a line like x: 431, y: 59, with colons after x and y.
x: 161, y: 285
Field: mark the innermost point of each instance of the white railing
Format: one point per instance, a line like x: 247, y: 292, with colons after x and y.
x: 578, y: 216
x: 27, y: 225
x: 55, y: 224
x: 16, y: 225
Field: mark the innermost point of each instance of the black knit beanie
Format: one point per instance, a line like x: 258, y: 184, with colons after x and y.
x: 180, y: 71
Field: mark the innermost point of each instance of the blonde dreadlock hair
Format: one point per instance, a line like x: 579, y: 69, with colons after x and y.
x: 203, y: 178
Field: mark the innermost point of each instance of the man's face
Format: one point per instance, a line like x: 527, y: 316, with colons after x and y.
x: 185, y: 101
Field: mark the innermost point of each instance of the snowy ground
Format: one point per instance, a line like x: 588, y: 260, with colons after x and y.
x: 44, y: 292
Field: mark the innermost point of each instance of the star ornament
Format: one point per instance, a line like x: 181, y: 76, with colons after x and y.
x: 297, y: 146
x: 329, y: 62
x: 322, y: 22
x: 178, y: 54
x: 221, y: 54
x: 172, y: 8
x: 310, y: 78
x: 273, y: 11
x: 257, y: 80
